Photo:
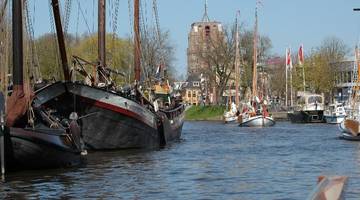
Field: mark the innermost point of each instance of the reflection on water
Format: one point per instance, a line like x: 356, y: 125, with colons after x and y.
x: 213, y: 161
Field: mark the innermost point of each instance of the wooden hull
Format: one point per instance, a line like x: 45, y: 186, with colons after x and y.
x: 342, y: 127
x: 351, y: 127
x: 329, y: 188
x: 39, y: 149
x: 306, y: 116
x: 258, y: 121
x: 109, y: 120
x: 350, y: 137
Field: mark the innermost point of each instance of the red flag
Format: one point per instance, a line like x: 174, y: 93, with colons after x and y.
x: 288, y: 58
x: 301, y: 55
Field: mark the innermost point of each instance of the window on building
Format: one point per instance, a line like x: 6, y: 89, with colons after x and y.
x: 207, y: 31
x: 196, y: 84
x: 189, y: 93
x: 349, y: 77
x: 194, y: 94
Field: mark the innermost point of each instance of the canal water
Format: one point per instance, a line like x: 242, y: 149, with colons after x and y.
x: 212, y: 161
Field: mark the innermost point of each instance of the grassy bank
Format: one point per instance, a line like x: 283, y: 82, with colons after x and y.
x: 204, y: 113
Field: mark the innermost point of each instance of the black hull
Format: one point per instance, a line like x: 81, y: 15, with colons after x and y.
x: 109, y: 120
x: 171, y: 127
x: 306, y: 117
x: 111, y: 130
x: 29, y: 149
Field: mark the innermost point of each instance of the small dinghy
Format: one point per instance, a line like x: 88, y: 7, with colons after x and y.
x: 350, y: 130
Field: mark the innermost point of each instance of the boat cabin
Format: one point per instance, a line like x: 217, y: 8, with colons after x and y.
x: 310, y: 102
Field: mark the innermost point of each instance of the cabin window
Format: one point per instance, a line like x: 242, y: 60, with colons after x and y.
x: 349, y: 77
x: 315, y: 99
x: 301, y: 101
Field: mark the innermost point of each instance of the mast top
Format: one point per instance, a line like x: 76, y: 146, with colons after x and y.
x: 206, y: 16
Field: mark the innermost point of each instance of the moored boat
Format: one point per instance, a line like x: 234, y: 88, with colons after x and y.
x: 309, y: 109
x: 34, y: 138
x: 254, y: 112
x: 342, y: 127
x: 335, y: 114
x: 113, y: 118
x: 257, y: 121
x: 231, y: 115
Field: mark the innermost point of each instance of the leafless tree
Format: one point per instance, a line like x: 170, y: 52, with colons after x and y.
x: 217, y: 55
x: 157, y: 51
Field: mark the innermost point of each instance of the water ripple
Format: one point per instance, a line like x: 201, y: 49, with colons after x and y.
x: 212, y: 161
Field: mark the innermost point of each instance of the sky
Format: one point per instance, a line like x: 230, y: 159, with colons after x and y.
x: 288, y: 23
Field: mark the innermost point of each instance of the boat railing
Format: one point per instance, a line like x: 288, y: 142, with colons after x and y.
x: 173, y: 113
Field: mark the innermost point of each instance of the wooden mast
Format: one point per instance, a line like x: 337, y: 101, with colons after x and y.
x: 137, y: 51
x: 61, y: 39
x: 101, y: 38
x: 101, y: 33
x: 18, y: 60
x: 237, y: 71
x: 254, y: 80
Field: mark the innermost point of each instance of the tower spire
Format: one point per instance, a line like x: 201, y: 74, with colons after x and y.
x: 205, y: 16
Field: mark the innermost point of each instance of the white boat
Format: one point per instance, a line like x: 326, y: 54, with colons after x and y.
x: 231, y: 115
x: 309, y: 108
x: 256, y: 121
x: 255, y: 112
x: 335, y: 114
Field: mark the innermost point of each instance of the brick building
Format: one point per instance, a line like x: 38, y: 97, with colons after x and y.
x: 200, y: 35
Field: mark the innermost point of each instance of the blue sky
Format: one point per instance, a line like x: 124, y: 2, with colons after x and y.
x: 286, y: 22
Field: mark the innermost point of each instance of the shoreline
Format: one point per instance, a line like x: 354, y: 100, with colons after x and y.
x: 278, y: 116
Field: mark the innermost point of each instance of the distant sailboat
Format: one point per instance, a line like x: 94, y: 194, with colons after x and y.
x: 232, y: 114
x: 255, y: 112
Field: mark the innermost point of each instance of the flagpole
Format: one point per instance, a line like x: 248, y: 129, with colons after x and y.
x: 302, y: 65
x: 286, y: 79
x: 291, y: 82
x: 291, y: 87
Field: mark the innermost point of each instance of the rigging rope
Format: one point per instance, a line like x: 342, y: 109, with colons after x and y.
x: 68, y: 4
x: 158, y: 33
x: 114, y: 28
x: 36, y: 74
x: 77, y: 25
x: 131, y: 38
x: 84, y: 18
x: 144, y: 36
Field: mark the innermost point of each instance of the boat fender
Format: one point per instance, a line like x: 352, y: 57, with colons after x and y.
x: 75, y: 131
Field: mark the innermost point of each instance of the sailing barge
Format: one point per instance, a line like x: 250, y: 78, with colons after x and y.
x: 32, y: 136
x: 111, y: 118
x: 114, y: 120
